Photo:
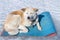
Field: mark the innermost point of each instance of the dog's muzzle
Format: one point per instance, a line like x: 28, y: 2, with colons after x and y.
x: 32, y: 18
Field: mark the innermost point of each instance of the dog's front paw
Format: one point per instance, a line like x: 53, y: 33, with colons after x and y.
x: 39, y: 28
x: 23, y: 31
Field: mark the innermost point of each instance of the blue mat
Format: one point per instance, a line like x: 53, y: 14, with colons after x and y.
x: 46, y: 23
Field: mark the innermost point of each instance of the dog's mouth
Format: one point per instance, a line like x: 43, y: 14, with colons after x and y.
x: 33, y: 20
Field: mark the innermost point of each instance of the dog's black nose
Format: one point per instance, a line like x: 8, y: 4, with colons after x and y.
x: 28, y: 17
x: 19, y: 29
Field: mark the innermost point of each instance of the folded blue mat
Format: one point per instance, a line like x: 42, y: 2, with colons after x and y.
x: 46, y: 23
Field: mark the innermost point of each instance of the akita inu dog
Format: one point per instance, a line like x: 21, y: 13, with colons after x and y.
x: 17, y: 21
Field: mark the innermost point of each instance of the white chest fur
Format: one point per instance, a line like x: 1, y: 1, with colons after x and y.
x: 27, y: 22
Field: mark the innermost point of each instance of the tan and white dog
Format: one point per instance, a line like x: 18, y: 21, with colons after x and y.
x: 17, y: 21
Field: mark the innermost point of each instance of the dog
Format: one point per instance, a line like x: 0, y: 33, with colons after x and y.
x: 17, y: 21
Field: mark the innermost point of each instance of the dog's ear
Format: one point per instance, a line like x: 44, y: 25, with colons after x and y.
x: 35, y: 9
x: 23, y: 9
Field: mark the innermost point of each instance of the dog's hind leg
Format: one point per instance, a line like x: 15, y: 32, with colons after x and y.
x: 11, y: 24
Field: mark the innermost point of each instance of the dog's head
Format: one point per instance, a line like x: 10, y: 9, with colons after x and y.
x: 30, y: 13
